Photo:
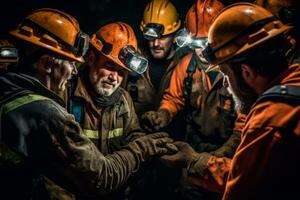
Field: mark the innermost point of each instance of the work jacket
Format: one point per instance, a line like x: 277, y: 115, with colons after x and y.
x: 44, y: 153
x: 266, y: 164
x: 210, y: 107
x: 108, y: 127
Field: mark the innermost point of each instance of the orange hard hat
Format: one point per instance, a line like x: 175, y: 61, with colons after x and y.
x: 200, y: 16
x: 54, y: 30
x: 239, y: 28
x: 110, y: 40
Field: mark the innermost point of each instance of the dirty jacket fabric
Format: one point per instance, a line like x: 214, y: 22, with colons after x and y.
x: 108, y: 127
x: 211, y: 109
x: 143, y: 92
x: 266, y: 164
x: 41, y: 143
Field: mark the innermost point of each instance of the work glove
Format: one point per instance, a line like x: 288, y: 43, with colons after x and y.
x: 184, y: 156
x: 155, y: 144
x: 187, y: 157
x: 155, y: 120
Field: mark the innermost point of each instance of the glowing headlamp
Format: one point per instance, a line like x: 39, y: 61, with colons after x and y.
x: 153, y: 31
x: 183, y: 38
x: 9, y: 53
x: 133, y: 60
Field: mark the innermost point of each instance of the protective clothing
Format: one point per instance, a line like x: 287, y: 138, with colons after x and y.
x: 117, y: 42
x: 145, y: 95
x: 184, y: 157
x: 200, y: 16
x: 118, y: 122
x: 48, y: 144
x: 54, y: 30
x: 8, y: 52
x: 247, y: 26
x: 270, y: 142
x: 160, y: 18
x: 209, y: 102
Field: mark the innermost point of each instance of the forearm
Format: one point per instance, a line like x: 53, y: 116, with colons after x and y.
x: 79, y: 165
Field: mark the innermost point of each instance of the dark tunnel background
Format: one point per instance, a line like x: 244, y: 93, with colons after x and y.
x: 91, y: 14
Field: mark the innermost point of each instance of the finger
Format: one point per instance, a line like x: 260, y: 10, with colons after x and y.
x: 172, y: 147
x: 162, y: 151
x: 180, y: 144
x: 166, y: 158
x: 163, y: 141
x: 148, y: 129
x: 159, y: 135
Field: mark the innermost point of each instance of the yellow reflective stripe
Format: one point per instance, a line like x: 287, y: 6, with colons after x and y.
x: 115, y: 133
x: 91, y: 133
x: 22, y: 101
x: 94, y: 134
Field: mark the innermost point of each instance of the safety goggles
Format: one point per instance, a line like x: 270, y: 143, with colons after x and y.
x: 153, y: 31
x: 133, y: 60
x: 9, y: 53
x: 183, y: 38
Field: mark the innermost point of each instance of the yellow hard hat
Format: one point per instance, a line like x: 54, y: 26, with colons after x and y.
x: 239, y: 28
x: 54, y: 30
x: 162, y: 14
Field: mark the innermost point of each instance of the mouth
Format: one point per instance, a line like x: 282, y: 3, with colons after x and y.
x: 157, y: 50
x: 107, y: 84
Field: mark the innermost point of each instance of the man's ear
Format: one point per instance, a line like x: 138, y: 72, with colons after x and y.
x: 248, y: 74
x: 45, y: 64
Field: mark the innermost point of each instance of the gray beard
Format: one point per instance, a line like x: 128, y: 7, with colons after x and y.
x: 242, y: 105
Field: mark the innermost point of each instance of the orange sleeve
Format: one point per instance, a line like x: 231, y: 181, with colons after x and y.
x: 239, y: 122
x: 173, y: 97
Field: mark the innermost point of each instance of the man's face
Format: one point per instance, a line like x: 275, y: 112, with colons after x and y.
x: 243, y: 95
x: 105, y: 76
x: 61, y: 72
x: 160, y: 48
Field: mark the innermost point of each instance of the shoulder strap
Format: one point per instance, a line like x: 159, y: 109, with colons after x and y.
x: 188, y: 81
x: 75, y: 105
x: 287, y: 93
x: 187, y: 84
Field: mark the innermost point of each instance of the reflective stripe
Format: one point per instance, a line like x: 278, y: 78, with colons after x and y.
x: 6, y: 153
x: 115, y: 133
x: 22, y: 101
x: 94, y: 134
x: 91, y: 133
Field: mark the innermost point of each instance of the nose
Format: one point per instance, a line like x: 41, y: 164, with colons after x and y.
x: 156, y: 42
x: 113, y: 76
x: 225, y: 81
